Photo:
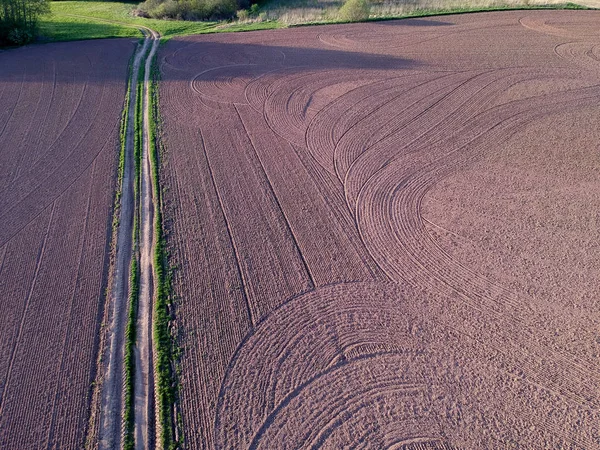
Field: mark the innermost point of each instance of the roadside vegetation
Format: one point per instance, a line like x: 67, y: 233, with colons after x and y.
x: 164, y: 345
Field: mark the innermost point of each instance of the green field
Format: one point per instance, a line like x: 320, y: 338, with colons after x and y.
x: 73, y: 20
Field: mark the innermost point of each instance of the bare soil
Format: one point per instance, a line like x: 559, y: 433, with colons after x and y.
x: 386, y: 234
x: 60, y: 108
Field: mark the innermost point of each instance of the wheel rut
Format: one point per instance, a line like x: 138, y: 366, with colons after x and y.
x: 134, y: 202
x: 144, y: 380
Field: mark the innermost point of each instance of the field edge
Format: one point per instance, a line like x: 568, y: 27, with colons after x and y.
x: 91, y: 435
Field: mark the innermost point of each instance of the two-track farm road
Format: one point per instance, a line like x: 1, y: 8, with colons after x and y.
x: 112, y: 392
x: 111, y: 398
x: 144, y: 379
x: 386, y: 234
x: 60, y: 109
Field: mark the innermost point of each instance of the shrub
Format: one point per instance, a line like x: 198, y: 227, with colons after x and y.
x: 355, y: 10
x: 20, y: 36
x: 18, y: 20
x: 192, y: 9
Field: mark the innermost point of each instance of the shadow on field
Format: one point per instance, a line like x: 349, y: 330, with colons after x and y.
x: 71, y: 63
x: 182, y: 59
x: 301, y: 50
x: 414, y: 23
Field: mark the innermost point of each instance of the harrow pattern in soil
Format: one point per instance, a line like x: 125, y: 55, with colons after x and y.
x: 386, y: 234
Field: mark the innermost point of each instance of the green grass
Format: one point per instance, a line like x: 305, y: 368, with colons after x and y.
x: 59, y: 28
x: 98, y: 20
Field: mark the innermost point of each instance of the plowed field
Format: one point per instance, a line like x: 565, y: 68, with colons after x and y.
x: 60, y: 108
x: 386, y: 234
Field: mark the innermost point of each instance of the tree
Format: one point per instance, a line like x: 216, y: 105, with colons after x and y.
x: 18, y: 20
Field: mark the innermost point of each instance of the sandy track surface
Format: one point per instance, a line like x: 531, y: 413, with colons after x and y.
x: 60, y: 108
x: 386, y: 233
x: 111, y: 397
x: 144, y: 380
x: 112, y: 404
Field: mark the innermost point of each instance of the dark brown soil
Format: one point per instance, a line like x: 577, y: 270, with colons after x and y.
x: 60, y: 108
x: 386, y: 234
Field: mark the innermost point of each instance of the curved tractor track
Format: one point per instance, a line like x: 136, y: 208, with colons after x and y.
x: 386, y: 233
x: 112, y: 404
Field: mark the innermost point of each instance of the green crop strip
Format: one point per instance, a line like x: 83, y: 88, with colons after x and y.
x: 166, y: 385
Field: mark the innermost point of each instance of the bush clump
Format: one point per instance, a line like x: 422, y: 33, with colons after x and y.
x: 252, y: 14
x: 18, y: 20
x: 355, y: 10
x: 192, y: 9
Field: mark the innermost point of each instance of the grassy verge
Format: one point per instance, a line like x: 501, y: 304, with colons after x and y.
x: 58, y: 27
x: 166, y: 383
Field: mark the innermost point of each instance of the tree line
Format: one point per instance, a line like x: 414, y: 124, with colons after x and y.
x: 192, y: 9
x: 18, y: 20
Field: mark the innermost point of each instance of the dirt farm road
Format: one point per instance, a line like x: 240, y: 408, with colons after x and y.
x: 112, y: 390
x: 144, y: 384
